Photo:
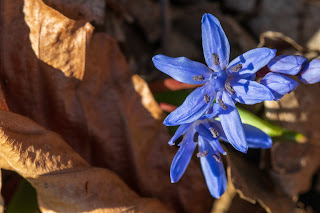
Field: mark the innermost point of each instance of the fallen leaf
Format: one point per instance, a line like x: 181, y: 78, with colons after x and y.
x: 77, y: 84
x: 294, y: 165
x: 255, y: 185
x: 279, y: 41
x: 1, y: 198
x: 169, y: 85
x: 89, y: 10
x: 48, y: 163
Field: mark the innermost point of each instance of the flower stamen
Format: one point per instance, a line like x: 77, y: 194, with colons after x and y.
x: 222, y: 105
x: 236, y: 68
x: 215, y: 58
x: 202, y: 154
x: 214, y: 132
x: 218, y: 158
x: 229, y: 88
x: 198, y: 78
x: 196, y: 137
x: 206, y: 98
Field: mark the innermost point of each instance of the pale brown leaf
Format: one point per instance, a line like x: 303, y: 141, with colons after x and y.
x: 90, y: 10
x: 64, y: 181
x: 254, y: 185
x: 77, y: 84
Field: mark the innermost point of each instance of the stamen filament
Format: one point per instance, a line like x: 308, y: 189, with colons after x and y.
x: 196, y: 137
x: 216, y: 60
x: 222, y: 105
x: 202, y: 154
x: 214, y: 132
x: 198, y: 78
x: 206, y: 98
x: 236, y: 68
x: 218, y: 158
x: 229, y: 88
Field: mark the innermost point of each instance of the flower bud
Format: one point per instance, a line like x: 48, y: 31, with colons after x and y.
x: 310, y: 73
x: 287, y: 64
x: 279, y: 84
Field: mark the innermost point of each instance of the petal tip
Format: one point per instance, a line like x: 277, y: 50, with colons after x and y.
x: 243, y: 149
x: 173, y: 178
x: 168, y: 122
x: 156, y: 57
x: 171, y: 143
x: 210, y: 18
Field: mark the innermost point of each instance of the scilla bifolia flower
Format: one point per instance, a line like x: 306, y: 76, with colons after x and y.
x: 310, y: 73
x: 205, y: 133
x: 276, y: 81
x: 226, y: 82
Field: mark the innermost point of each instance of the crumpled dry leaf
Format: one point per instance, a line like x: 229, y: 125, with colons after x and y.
x: 255, y: 185
x: 279, y: 41
x: 294, y: 165
x: 1, y: 198
x: 36, y: 154
x: 54, y: 71
x: 90, y: 10
x: 147, y: 14
x: 285, y: 45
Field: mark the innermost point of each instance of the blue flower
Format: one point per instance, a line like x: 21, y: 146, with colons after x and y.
x: 278, y: 83
x: 287, y: 64
x: 206, y: 133
x: 226, y: 82
x: 310, y: 73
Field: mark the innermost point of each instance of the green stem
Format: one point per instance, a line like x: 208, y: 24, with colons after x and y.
x: 270, y: 129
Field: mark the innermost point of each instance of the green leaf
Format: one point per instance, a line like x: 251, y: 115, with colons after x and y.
x: 272, y: 130
x: 24, y: 199
x: 177, y: 97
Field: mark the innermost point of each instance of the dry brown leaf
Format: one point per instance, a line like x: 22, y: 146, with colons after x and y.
x: 1, y: 198
x: 279, y: 41
x: 64, y: 181
x: 254, y: 185
x: 294, y: 165
x: 90, y: 10
x: 54, y: 71
x: 147, y: 15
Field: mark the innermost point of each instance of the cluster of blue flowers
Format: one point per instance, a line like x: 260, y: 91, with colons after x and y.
x: 222, y: 84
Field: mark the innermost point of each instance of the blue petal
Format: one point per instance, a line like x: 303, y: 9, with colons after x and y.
x: 181, y: 160
x: 232, y: 125
x: 203, y: 130
x: 213, y: 170
x: 214, y: 41
x: 182, y: 69
x: 212, y: 112
x: 279, y: 84
x: 310, y: 74
x: 251, y: 62
x: 250, y: 92
x: 287, y: 64
x: 215, y: 144
x: 180, y: 131
x: 256, y: 138
x: 192, y: 108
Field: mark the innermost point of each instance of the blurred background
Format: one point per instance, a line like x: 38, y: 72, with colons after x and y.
x: 146, y: 27
x: 287, y: 174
